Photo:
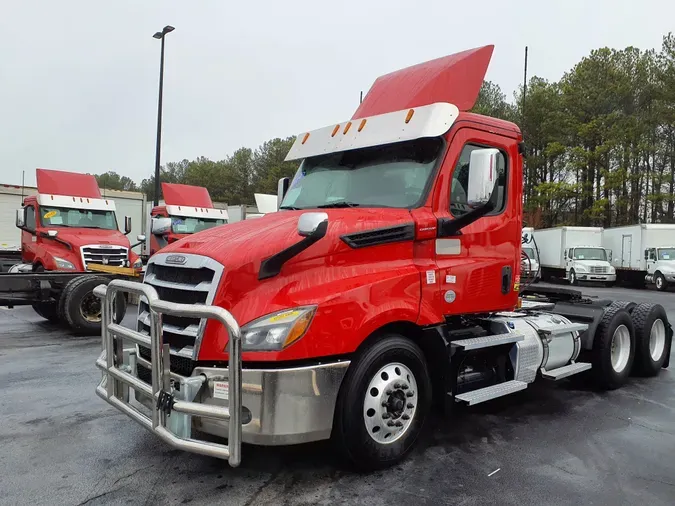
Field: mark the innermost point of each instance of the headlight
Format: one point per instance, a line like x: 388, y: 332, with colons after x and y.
x: 612, y: 270
x: 63, y: 264
x: 580, y: 268
x: 278, y: 330
x: 138, y: 264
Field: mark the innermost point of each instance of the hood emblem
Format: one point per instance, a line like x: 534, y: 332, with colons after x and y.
x: 176, y: 259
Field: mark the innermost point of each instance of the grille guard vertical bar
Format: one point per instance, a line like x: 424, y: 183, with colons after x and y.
x: 157, y: 307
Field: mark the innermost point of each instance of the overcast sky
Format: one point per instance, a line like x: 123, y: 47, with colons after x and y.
x: 78, y: 78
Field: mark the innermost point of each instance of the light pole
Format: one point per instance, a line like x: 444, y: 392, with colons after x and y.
x: 160, y: 35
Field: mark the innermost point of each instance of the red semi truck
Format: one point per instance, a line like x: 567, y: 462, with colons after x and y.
x: 388, y: 281
x: 187, y: 209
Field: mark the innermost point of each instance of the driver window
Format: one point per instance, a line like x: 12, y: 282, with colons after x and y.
x: 460, y: 182
x: 30, y: 218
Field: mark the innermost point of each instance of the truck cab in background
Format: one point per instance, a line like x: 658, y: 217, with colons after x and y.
x: 530, y: 271
x: 588, y: 263
x: 187, y: 209
x: 660, y: 266
x: 68, y: 225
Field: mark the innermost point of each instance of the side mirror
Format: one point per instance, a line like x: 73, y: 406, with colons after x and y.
x: 565, y: 253
x: 609, y: 254
x: 160, y: 226
x: 140, y: 238
x: 310, y: 223
x: 20, y: 219
x: 482, y: 176
x: 127, y: 225
x: 282, y: 189
x: 646, y: 251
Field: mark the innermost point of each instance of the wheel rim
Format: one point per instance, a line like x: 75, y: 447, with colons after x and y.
x: 659, y: 282
x: 657, y: 340
x: 620, y: 348
x: 390, y: 403
x: 90, y: 308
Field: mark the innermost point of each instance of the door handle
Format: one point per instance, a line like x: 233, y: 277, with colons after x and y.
x: 506, y: 279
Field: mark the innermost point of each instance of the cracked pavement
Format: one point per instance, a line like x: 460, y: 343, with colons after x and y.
x: 553, y: 444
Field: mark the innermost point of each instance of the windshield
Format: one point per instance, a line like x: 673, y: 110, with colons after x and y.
x: 666, y: 253
x: 394, y: 175
x: 590, y: 254
x: 530, y: 253
x: 185, y: 225
x: 78, y: 218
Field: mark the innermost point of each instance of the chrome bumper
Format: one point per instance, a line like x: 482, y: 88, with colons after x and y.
x: 589, y: 276
x: 275, y: 406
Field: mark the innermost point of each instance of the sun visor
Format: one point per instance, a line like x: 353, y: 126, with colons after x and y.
x: 186, y: 195
x: 454, y: 79
x: 71, y: 184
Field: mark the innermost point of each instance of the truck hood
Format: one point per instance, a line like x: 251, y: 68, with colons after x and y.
x: 78, y: 237
x: 592, y: 263
x: 248, y: 242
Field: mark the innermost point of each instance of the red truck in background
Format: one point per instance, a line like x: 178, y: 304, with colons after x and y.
x: 388, y: 280
x: 187, y: 209
x: 68, y: 225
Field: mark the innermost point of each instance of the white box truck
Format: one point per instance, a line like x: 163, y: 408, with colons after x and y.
x: 575, y: 254
x: 643, y: 253
x: 530, y: 271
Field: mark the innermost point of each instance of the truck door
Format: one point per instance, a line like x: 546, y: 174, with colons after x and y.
x: 479, y: 267
x: 626, y: 245
x: 651, y: 260
x: 28, y: 235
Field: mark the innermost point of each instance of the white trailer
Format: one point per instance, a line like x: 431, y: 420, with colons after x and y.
x: 643, y: 253
x: 575, y: 254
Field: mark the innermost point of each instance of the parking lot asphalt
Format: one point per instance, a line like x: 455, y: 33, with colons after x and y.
x: 553, y: 444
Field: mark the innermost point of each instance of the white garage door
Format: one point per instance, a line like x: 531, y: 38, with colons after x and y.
x: 10, y: 236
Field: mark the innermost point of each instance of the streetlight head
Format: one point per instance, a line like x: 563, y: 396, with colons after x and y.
x: 168, y: 28
x: 158, y: 35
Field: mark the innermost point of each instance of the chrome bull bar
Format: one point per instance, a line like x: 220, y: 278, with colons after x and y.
x: 117, y: 378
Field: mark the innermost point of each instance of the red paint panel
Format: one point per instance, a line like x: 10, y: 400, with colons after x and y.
x: 71, y: 184
x: 456, y: 79
x: 186, y: 195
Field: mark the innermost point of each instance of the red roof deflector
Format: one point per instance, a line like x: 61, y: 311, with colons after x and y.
x: 70, y: 184
x: 455, y: 79
x: 186, y: 195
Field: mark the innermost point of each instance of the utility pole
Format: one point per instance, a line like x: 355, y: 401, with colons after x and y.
x: 161, y: 36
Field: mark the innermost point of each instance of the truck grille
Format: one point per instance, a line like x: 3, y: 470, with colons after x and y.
x: 193, y: 282
x: 105, y: 255
x: 595, y: 269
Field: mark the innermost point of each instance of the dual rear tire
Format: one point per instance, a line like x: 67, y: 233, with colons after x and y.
x: 629, y: 338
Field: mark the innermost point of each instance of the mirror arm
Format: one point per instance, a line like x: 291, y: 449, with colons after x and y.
x: 448, y: 227
x: 271, y: 266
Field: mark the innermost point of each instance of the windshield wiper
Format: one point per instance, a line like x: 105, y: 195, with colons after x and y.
x: 291, y: 208
x: 341, y: 203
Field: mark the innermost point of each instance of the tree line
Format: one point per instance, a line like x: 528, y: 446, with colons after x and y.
x: 599, y: 145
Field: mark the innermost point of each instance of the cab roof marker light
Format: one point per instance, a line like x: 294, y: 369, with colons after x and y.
x: 409, y: 115
x: 335, y: 130
x: 363, y: 124
x: 304, y: 139
x: 347, y: 127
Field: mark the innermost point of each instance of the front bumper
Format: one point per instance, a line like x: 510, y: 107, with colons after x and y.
x: 271, y: 407
x: 587, y: 276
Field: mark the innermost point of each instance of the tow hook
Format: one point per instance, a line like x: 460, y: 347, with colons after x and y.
x: 165, y: 402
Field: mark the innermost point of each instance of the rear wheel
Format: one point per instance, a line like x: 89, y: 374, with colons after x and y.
x: 46, y: 309
x: 383, y: 402
x: 613, y: 348
x: 650, y: 338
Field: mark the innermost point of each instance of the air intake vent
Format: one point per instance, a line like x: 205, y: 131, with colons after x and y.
x: 386, y: 235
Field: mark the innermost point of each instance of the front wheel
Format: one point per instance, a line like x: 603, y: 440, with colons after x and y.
x: 382, y: 404
x: 573, y: 278
x: 660, y: 282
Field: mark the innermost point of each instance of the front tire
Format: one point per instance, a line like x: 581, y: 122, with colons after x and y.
x: 46, y: 309
x: 651, y: 338
x: 82, y: 309
x: 660, y: 282
x: 383, y: 403
x: 613, y: 348
x: 573, y: 278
